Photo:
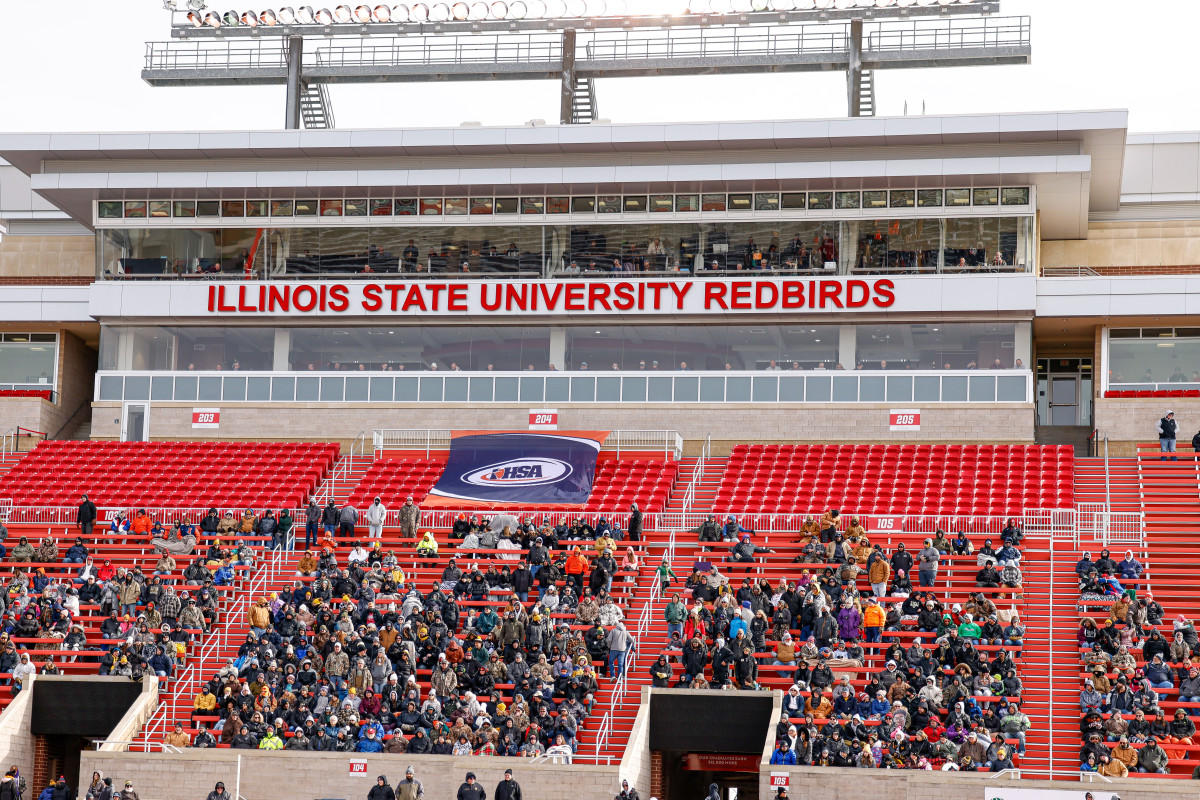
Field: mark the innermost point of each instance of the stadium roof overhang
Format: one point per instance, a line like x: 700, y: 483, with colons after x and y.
x: 1073, y: 158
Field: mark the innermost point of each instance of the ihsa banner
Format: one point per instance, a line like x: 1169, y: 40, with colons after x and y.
x: 518, y: 469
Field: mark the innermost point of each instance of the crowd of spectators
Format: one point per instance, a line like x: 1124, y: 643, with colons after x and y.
x: 1123, y: 727
x: 948, y: 700
x: 502, y: 655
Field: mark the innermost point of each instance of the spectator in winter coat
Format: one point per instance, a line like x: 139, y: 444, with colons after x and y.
x: 927, y: 560
x: 1130, y: 567
x: 376, y: 514
x: 347, y: 519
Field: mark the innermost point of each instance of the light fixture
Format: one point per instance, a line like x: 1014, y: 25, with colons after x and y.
x: 170, y: 5
x: 576, y: 8
x: 805, y: 5
x: 537, y: 9
x: 843, y: 4
x: 400, y: 13
x: 324, y: 17
x: 197, y: 5
x: 305, y: 16
x: 250, y: 19
x: 885, y: 3
x: 231, y: 19
x: 195, y: 18
x: 759, y: 5
x: 556, y: 9
x: 460, y: 12
x: 440, y: 12
x: 268, y: 18
x: 382, y: 13
x: 362, y: 14
x: 518, y: 10
x: 212, y: 19
x: 479, y: 10
x: 617, y: 8
x: 783, y: 5
x: 419, y: 12
x: 287, y: 15
x: 343, y: 14
x: 499, y: 9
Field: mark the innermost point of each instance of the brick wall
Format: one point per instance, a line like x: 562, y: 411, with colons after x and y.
x: 287, y: 776
x: 1131, y: 421
x: 728, y: 424
x: 857, y: 784
x: 43, y: 258
x: 16, y: 743
x: 1163, y: 244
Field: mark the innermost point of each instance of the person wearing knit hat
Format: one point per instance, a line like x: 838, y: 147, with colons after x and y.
x: 507, y: 788
x: 1167, y: 429
x: 470, y: 790
x: 410, y: 788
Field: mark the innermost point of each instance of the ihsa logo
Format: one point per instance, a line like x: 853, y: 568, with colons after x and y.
x: 519, y: 472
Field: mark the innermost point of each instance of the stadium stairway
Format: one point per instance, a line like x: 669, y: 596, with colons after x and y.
x: 706, y: 489
x: 1049, y: 661
x: 1123, y: 490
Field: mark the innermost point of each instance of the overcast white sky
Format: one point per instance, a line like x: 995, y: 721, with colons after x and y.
x: 82, y: 73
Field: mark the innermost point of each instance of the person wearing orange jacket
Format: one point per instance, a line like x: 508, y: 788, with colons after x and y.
x: 142, y: 523
x: 577, y: 567
x: 874, y: 618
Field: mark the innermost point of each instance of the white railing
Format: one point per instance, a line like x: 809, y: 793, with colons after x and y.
x: 1096, y: 522
x: 339, y: 477
x: 689, y: 494
x: 669, y: 443
x: 270, y: 565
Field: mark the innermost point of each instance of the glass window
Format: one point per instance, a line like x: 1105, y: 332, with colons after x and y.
x: 306, y: 208
x: 356, y: 208
x: 110, y: 209
x: 506, y: 205
x: 740, y: 202
x: 712, y: 202
x: 820, y: 201
x: 659, y: 390
x: 357, y: 389
x: 406, y: 207
x: 281, y: 208
x: 161, y: 388
x: 937, y: 345
x: 986, y: 197
x: 958, y: 197
x: 902, y: 198
x: 929, y: 198
x: 900, y: 245
x: 160, y: 208
x: 382, y: 207
x: 456, y: 206
x: 331, y: 208
x: 991, y: 242
x: 766, y: 201
x: 583, y: 205
x: 1158, y: 357
x: 533, y: 205
x: 558, y: 205
x: 135, y: 209
x: 661, y: 203
x: 257, y: 389
x: 583, y: 390
x: 608, y: 204
x: 25, y: 361
x: 875, y: 199
x: 1015, y: 196
x: 233, y: 389
x: 795, y: 200
x: 431, y: 206
x: 256, y: 208
x: 633, y: 203
x: 381, y: 390
x: 687, y: 202
x: 849, y: 200
x: 233, y: 208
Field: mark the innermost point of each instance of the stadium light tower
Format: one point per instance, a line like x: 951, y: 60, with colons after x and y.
x: 572, y: 41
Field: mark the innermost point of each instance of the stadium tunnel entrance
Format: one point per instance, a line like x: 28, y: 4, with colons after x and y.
x: 700, y: 738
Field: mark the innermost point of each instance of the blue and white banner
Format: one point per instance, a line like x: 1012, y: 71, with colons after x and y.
x: 518, y: 469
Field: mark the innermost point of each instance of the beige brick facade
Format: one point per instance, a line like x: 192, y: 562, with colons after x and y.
x: 1128, y: 422
x: 727, y: 424
x: 287, y: 776
x: 47, y: 257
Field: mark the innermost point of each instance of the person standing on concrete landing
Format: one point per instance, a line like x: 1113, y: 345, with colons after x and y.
x: 1167, y: 428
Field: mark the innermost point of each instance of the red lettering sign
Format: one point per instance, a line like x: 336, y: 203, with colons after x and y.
x: 554, y: 297
x: 206, y: 417
x: 543, y: 419
x: 904, y: 419
x: 358, y: 767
